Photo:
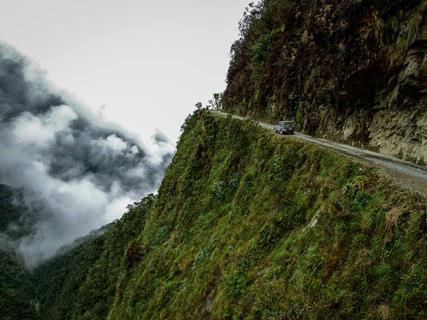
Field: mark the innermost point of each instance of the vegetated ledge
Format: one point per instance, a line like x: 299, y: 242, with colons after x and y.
x: 248, y: 225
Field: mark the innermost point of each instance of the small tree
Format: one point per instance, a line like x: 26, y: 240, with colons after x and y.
x: 199, y: 106
x: 216, y: 102
x: 133, y: 254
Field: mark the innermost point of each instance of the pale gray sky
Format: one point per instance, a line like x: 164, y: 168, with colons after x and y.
x: 148, y: 62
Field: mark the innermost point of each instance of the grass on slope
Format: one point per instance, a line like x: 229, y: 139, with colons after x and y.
x: 247, y: 225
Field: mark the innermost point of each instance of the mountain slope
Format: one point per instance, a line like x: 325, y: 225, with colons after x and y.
x: 16, y: 289
x: 247, y: 225
x: 80, y: 282
x: 261, y: 227
x: 16, y: 284
x: 353, y: 71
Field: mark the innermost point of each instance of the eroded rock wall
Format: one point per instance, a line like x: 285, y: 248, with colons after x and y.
x: 351, y: 71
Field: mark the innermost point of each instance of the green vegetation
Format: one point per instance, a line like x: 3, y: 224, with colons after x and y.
x: 10, y: 213
x: 16, y: 290
x: 250, y: 225
x: 16, y: 286
x: 81, y: 283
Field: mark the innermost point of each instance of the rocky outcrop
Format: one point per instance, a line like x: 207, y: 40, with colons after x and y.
x: 351, y: 71
x: 403, y: 131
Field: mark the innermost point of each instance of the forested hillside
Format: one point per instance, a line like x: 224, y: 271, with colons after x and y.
x: 249, y: 225
x: 11, y: 209
x: 16, y: 285
x: 352, y: 71
x: 16, y: 289
x: 80, y: 283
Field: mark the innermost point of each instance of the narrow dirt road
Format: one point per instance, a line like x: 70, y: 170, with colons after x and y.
x: 405, y: 173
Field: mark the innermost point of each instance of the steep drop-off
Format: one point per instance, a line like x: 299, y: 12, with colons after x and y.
x: 249, y: 225
x: 353, y: 71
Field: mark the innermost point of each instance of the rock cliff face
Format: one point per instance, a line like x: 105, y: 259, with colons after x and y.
x: 352, y: 71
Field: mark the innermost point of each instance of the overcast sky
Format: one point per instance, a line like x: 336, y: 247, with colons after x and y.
x: 147, y: 62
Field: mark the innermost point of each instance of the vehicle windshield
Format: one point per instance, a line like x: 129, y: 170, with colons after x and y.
x: 285, y: 124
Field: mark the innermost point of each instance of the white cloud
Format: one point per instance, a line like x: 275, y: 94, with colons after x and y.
x: 35, y: 131
x: 114, y: 143
x: 77, y: 173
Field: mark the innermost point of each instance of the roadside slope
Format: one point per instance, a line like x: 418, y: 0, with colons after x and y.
x: 406, y: 173
x: 248, y: 225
